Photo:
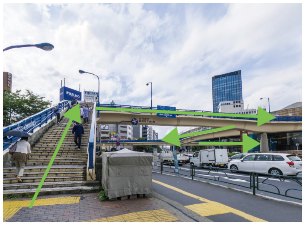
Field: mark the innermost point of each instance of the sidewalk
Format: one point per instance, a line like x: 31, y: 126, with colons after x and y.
x: 85, y: 208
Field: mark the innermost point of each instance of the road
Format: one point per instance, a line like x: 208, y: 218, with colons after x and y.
x: 201, y: 201
x: 241, y: 181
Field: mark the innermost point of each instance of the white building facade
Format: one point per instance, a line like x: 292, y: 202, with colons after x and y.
x: 236, y: 107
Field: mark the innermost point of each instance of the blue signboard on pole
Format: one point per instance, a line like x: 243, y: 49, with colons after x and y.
x: 69, y: 94
x: 159, y: 107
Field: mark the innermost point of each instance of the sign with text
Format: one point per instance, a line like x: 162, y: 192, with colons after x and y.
x: 159, y: 107
x: 69, y: 94
x: 90, y: 96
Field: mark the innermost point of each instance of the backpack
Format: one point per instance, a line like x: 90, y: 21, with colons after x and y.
x: 13, y: 148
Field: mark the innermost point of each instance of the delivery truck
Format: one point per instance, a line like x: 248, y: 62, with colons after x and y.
x: 167, y: 157
x: 210, y: 158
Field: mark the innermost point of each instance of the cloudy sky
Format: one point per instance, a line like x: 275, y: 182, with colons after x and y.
x: 177, y: 47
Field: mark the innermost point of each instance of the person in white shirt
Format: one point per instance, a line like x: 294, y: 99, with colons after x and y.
x: 20, y: 156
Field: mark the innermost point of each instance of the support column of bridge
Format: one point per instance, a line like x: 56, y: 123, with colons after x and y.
x: 264, y: 143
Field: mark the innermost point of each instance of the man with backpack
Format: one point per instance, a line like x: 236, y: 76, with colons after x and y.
x: 78, y: 131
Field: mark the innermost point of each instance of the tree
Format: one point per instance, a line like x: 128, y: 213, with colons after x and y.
x: 195, y: 148
x: 17, y: 106
x: 147, y: 148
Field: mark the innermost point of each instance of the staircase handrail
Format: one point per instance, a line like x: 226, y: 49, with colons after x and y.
x: 92, y: 142
x: 39, y: 119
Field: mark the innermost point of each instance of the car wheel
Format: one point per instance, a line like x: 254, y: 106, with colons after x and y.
x: 274, y: 171
x: 233, y: 168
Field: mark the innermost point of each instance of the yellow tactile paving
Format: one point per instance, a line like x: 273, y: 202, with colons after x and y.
x: 12, y: 207
x: 158, y: 215
x: 210, y: 208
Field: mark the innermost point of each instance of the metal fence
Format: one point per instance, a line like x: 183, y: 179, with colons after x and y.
x: 254, y: 182
x: 30, y: 123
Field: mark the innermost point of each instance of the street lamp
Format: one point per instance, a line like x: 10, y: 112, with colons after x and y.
x: 43, y: 46
x: 150, y: 93
x: 268, y: 103
x: 98, y: 104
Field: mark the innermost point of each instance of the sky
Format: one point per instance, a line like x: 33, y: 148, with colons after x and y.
x: 177, y: 47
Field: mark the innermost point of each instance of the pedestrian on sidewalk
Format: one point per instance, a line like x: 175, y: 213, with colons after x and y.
x: 57, y: 111
x: 78, y: 131
x: 86, y: 114
x: 20, y: 157
x: 81, y: 113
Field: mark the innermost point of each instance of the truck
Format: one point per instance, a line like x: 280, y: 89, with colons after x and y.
x: 168, y: 158
x: 210, y: 158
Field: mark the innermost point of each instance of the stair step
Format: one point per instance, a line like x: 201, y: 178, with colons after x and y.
x: 40, y: 168
x: 9, y: 180
x: 49, y: 156
x: 58, y: 163
x: 50, y: 191
x: 15, y: 186
x: 56, y: 159
x: 51, y: 173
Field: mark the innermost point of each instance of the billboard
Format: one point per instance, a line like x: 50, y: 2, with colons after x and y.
x: 69, y: 94
x: 90, y: 96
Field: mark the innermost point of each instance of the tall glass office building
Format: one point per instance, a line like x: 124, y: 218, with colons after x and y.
x: 226, y: 87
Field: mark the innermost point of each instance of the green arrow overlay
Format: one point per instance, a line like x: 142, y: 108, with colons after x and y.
x: 248, y: 143
x: 262, y: 117
x: 173, y: 137
x: 72, y: 114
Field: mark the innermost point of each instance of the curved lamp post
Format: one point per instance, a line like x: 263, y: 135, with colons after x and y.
x: 43, y: 46
x: 268, y: 103
x: 150, y: 93
x: 98, y: 104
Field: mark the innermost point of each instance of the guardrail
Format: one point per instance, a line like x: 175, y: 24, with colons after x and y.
x: 277, y: 118
x: 30, y: 124
x: 254, y: 183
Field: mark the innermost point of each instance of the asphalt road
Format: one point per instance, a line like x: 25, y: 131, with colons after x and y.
x: 241, y: 181
x: 220, y: 204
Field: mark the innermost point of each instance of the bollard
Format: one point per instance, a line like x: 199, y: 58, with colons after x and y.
x: 192, y: 171
x: 161, y: 167
x: 253, y: 176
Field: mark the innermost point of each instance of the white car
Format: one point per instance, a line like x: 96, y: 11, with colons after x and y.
x: 272, y: 163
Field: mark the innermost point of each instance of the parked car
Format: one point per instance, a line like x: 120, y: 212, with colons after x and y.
x: 238, y: 156
x: 272, y: 163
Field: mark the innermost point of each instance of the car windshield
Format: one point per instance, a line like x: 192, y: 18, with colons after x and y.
x: 195, y: 154
x: 293, y: 158
x: 237, y: 156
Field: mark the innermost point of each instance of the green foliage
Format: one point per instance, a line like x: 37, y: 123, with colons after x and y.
x: 29, y: 196
x: 17, y: 106
x: 195, y: 148
x: 102, y: 196
x: 231, y: 154
x: 10, y: 197
x: 147, y: 148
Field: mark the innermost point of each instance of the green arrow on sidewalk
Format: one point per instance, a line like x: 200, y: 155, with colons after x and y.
x: 248, y: 143
x: 173, y: 137
x: 72, y: 114
x: 262, y: 116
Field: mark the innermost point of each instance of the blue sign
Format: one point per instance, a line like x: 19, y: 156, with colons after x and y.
x: 134, y: 121
x: 168, y: 108
x: 69, y: 94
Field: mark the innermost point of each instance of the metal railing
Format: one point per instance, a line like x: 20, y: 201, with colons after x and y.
x: 254, y: 183
x: 277, y: 118
x: 30, y: 124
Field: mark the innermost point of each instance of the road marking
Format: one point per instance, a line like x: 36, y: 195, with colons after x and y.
x: 12, y: 207
x: 204, y: 208
x: 158, y: 215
